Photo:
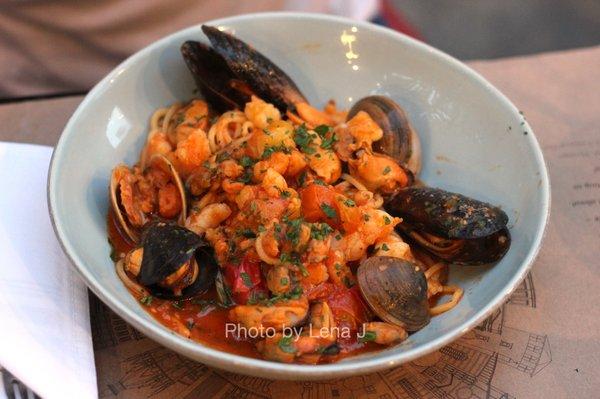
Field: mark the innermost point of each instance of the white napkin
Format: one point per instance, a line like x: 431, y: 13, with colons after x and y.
x: 45, y: 337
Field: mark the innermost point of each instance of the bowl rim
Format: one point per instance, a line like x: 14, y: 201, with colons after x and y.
x: 264, y: 368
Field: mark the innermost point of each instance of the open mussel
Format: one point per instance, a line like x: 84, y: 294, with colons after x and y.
x: 171, y: 263
x: 138, y: 195
x: 217, y: 83
x: 451, y: 226
x: 230, y: 71
x: 399, y: 141
x: 396, y: 291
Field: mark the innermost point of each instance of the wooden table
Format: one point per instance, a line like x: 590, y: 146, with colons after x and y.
x: 559, y: 93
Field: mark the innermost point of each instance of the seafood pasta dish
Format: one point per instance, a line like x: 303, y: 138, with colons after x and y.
x: 256, y: 223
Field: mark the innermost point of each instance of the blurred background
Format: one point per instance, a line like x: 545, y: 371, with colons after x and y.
x: 51, y: 48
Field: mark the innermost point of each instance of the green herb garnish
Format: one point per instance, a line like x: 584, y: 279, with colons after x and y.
x: 368, y: 336
x: 246, y: 279
x: 147, y: 300
x: 329, y: 211
x: 285, y: 344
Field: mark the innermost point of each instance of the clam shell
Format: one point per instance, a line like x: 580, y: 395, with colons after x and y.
x: 396, y: 291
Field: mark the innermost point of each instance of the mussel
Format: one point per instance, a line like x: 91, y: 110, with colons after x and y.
x: 175, y: 263
x: 396, y: 291
x: 451, y: 226
x: 229, y: 72
x: 214, y: 79
x: 132, y: 200
x: 399, y: 141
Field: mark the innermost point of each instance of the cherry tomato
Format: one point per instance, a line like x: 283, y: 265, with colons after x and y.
x: 244, y: 280
x: 319, y: 205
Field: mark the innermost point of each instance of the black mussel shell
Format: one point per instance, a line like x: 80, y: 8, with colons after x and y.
x: 446, y: 214
x: 167, y: 246
x: 483, y: 250
x: 265, y: 78
x: 213, y: 77
x: 207, y: 272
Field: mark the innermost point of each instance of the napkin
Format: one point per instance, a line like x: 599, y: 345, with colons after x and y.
x: 45, y: 337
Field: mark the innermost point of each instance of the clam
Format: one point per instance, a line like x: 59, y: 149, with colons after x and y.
x: 230, y: 71
x: 396, y: 291
x: 130, y: 213
x: 451, y: 226
x: 176, y: 263
x: 399, y: 141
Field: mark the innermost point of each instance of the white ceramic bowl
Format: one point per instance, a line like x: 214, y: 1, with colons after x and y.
x: 472, y: 136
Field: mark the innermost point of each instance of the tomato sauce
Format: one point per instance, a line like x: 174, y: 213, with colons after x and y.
x: 206, y: 320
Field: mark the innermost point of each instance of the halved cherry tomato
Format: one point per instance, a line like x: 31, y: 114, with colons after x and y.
x: 347, y: 305
x: 244, y: 280
x: 319, y: 204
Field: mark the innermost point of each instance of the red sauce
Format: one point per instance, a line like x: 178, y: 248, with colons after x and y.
x: 207, y: 321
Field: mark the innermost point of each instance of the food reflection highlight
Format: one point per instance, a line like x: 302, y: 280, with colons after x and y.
x: 258, y: 224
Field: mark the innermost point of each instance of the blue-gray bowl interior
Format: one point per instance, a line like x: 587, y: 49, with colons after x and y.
x: 473, y: 142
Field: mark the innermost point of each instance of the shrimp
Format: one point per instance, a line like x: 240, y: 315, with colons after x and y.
x: 313, y: 116
x: 208, y: 217
x: 192, y: 118
x: 169, y: 201
x: 278, y: 134
x: 325, y: 163
x: 393, y: 246
x: 378, y: 172
x: 318, y: 249
x: 296, y: 164
x: 281, y: 314
x: 157, y: 143
x: 384, y: 333
x: 191, y: 153
x: 278, y: 161
x: 278, y: 279
x: 273, y: 183
x: 261, y: 113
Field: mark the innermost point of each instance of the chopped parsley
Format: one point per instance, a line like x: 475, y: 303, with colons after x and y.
x: 147, y: 300
x: 322, y: 130
x: 387, y: 170
x: 368, y: 336
x: 349, y: 203
x: 247, y: 233
x: 177, y: 304
x: 223, y: 156
x: 284, y: 281
x: 319, y: 182
x: 285, y: 344
x: 387, y: 220
x: 385, y: 247
x: 285, y: 194
x: 190, y: 324
x: 304, y: 139
x: 329, y: 211
x: 303, y: 270
x: 319, y: 231
x: 293, y: 231
x: 366, y: 217
x: 246, y: 279
x: 328, y: 142
x: 246, y: 161
x: 302, y: 179
x: 268, y: 151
